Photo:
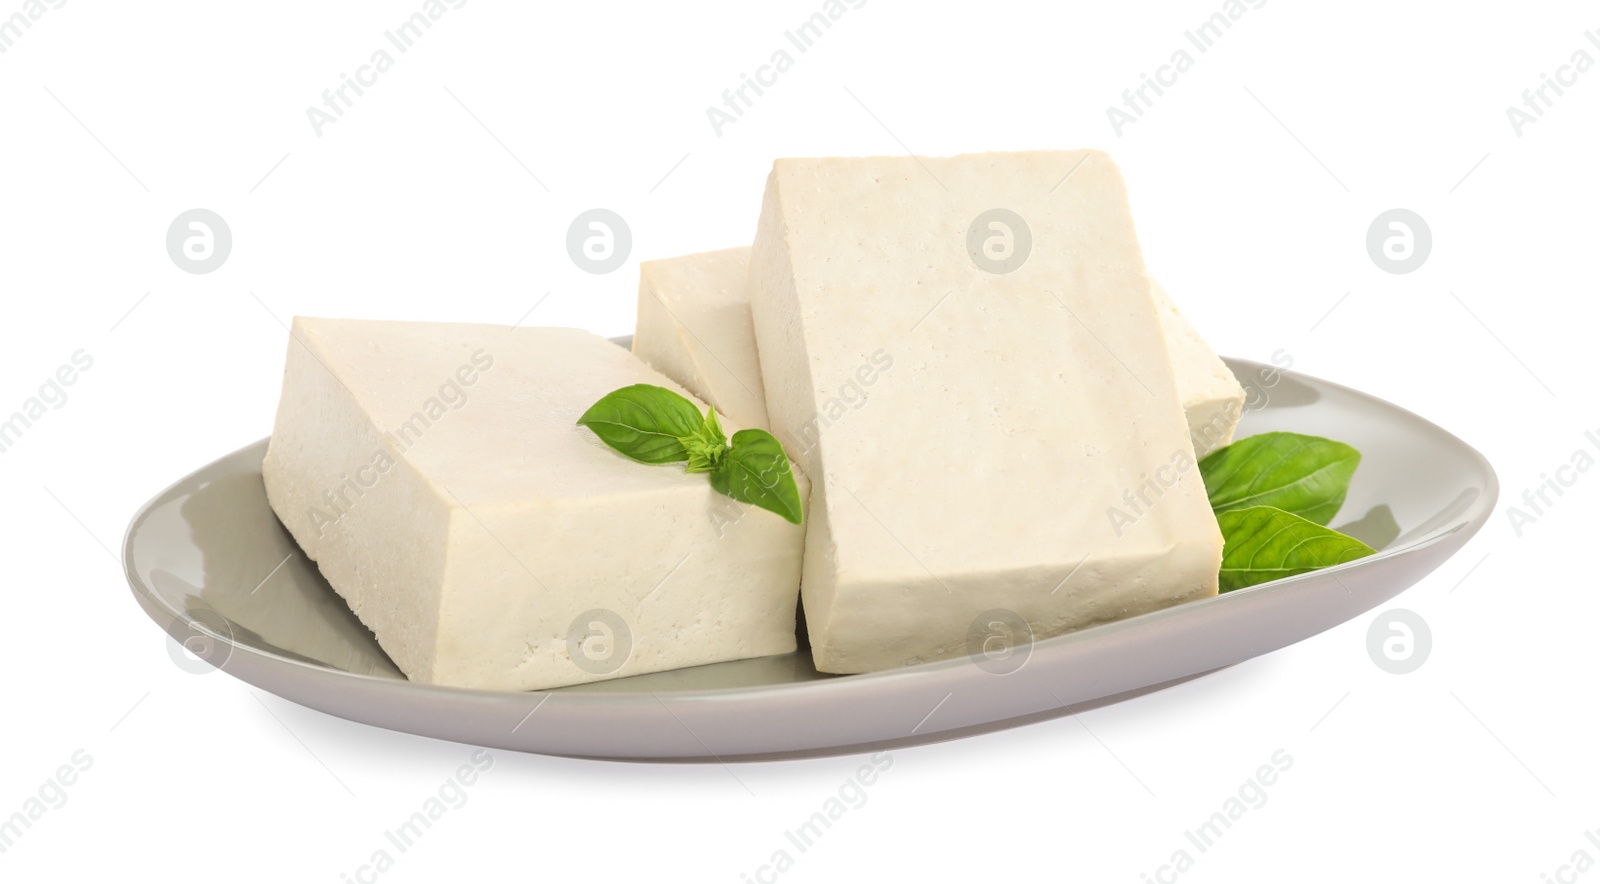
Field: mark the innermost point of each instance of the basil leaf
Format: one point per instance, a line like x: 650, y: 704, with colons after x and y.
x: 1262, y: 543
x: 707, y: 446
x: 644, y: 422
x: 1304, y: 475
x: 756, y: 471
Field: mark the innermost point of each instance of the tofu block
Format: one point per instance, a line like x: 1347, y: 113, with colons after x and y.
x: 1027, y: 451
x: 437, y: 476
x: 694, y: 327
x: 1212, y: 397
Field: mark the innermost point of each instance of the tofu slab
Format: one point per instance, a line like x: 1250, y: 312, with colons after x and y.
x: 436, y: 475
x: 1212, y: 398
x: 1027, y: 453
x: 694, y: 326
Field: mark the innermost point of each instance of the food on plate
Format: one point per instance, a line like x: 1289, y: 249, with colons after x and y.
x: 435, y: 474
x: 994, y: 415
x: 1028, y: 451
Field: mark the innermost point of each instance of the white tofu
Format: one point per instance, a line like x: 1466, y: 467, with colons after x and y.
x: 706, y: 292
x: 694, y: 327
x: 1212, y: 397
x: 437, y: 476
x: 1024, y: 410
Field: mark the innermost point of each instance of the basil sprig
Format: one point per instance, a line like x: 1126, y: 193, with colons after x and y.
x: 707, y: 446
x: 654, y: 425
x: 1273, y: 495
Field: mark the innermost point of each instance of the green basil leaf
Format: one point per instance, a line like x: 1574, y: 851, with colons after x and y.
x: 756, y: 471
x: 1262, y: 543
x: 1304, y: 475
x: 644, y: 422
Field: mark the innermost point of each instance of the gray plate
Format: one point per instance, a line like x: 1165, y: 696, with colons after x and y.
x: 211, y: 564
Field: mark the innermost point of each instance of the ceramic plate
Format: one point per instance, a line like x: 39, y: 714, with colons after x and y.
x: 211, y: 564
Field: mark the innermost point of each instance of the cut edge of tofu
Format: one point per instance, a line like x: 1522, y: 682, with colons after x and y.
x: 772, y: 632
x: 772, y: 270
x: 1212, y: 401
x: 667, y: 349
x: 1029, y: 593
x: 770, y: 267
x: 408, y: 637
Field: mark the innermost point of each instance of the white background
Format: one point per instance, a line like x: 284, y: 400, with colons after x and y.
x: 445, y: 192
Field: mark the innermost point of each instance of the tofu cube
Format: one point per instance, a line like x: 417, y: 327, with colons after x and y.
x: 1026, y: 451
x: 437, y: 476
